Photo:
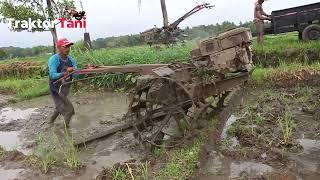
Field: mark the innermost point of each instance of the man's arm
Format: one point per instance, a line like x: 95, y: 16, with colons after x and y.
x: 74, y: 65
x: 53, y: 65
x: 261, y: 16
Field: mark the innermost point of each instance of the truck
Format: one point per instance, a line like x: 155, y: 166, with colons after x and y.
x: 303, y: 19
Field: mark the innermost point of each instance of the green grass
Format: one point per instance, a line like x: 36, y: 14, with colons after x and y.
x: 274, y: 54
x: 46, y: 152
x: 282, y: 42
x: 70, y: 151
x: 135, y: 55
x: 25, y: 88
x: 52, y: 150
x: 39, y: 59
x: 182, y: 162
x: 286, y: 48
x: 262, y: 75
x: 286, y: 125
x: 118, y: 174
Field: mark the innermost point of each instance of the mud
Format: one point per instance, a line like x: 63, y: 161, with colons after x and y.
x: 10, y: 174
x: 4, y: 99
x: 21, y: 123
x: 262, y: 151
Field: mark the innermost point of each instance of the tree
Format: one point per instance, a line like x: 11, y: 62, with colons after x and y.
x: 3, y: 54
x: 35, y: 9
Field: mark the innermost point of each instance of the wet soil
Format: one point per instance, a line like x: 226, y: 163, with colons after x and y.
x: 21, y: 124
x: 253, y: 145
x: 247, y: 143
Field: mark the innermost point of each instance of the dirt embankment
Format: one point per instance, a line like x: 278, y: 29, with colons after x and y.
x: 22, y: 69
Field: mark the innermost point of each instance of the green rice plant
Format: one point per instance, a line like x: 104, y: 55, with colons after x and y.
x: 143, y: 170
x: 286, y: 125
x: 70, y: 152
x: 118, y: 174
x: 46, y: 153
x: 182, y: 161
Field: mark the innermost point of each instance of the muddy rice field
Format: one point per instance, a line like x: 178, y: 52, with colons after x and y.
x: 274, y: 133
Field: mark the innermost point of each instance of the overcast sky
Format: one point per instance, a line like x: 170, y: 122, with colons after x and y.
x: 119, y: 17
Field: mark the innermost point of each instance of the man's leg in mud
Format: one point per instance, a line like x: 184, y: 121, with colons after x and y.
x: 68, y: 109
x: 54, y: 116
x: 58, y: 104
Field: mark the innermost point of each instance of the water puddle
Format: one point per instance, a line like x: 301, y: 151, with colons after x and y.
x: 109, y: 160
x: 104, y: 109
x: 309, y: 145
x: 239, y: 169
x: 308, y: 162
x: 228, y: 124
x: 10, y: 141
x: 12, y: 114
x: 232, y: 141
x: 220, y: 167
x: 10, y: 174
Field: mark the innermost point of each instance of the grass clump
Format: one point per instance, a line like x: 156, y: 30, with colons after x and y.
x: 183, y: 161
x: 46, y: 152
x: 70, y: 151
x: 118, y: 174
x: 135, y: 55
x: 286, y: 125
x: 52, y: 151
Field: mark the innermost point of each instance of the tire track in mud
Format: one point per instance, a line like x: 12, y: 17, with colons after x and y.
x: 213, y: 141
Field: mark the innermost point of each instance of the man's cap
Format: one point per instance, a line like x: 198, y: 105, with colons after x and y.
x: 63, y: 42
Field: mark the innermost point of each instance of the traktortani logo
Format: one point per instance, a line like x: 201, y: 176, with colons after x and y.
x: 31, y: 24
x: 46, y: 25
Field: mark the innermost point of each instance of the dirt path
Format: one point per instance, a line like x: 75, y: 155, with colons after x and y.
x: 21, y: 124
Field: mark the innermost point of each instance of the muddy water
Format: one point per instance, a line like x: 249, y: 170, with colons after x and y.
x: 10, y: 174
x: 304, y: 165
x: 11, y: 140
x: 218, y: 166
x: 12, y: 114
x: 94, y: 113
x: 90, y: 109
x: 232, y: 142
x: 100, y: 108
x: 307, y: 163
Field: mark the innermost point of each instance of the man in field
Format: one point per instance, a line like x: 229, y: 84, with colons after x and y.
x: 259, y: 17
x: 60, y: 65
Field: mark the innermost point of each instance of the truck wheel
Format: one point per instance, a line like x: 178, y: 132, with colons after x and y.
x: 311, y: 32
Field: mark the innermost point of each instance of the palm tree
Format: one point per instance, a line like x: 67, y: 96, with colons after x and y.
x: 164, y: 11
